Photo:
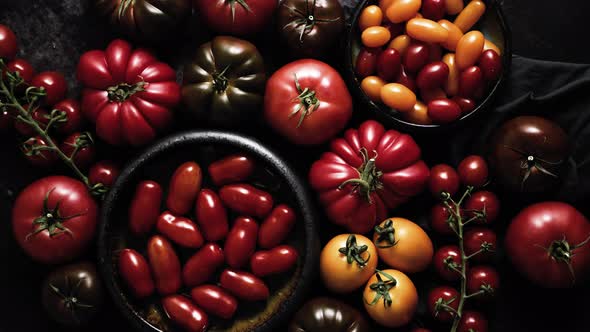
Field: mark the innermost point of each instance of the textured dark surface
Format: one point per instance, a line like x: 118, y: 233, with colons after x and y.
x: 53, y: 34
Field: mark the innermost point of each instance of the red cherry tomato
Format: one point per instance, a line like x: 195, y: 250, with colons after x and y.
x: 135, y: 270
x: 211, y: 215
x: 105, y: 172
x: 246, y: 200
x: 395, y: 29
x: 440, y: 296
x: 473, y: 171
x: 276, y: 227
x: 184, y: 187
x: 484, y: 201
x: 240, y: 243
x: 277, y: 260
x: 416, y: 56
x: 470, y: 82
x: 54, y: 84
x: 443, y: 178
x: 366, y: 62
x: 433, y: 75
x: 476, y: 239
x: 443, y: 110
x: 243, y: 285
x: 22, y: 67
x: 388, y: 64
x: 483, y: 278
x: 74, y: 118
x: 6, y: 120
x: 406, y: 79
x: 433, y: 9
x: 185, y: 314
x: 439, y: 219
x: 40, y: 115
x: 8, y: 44
x: 467, y: 105
x: 180, y: 230
x: 473, y: 321
x: 443, y: 257
x: 86, y: 152
x: 490, y: 64
x: 231, y: 169
x: 145, y: 207
x: 164, y: 264
x: 33, y: 149
x: 214, y: 300
x: 201, y: 266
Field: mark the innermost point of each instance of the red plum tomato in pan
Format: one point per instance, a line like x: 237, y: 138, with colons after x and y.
x: 246, y: 200
x: 201, y: 266
x: 180, y: 230
x: 240, y: 243
x: 164, y: 265
x: 276, y: 227
x: 211, y: 215
x: 184, y: 187
x: 231, y: 169
x: 144, y: 209
x: 245, y: 286
x: 274, y: 261
x: 185, y: 314
x: 214, y: 300
x: 135, y: 271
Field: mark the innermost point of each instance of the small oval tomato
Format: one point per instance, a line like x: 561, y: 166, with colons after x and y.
x: 231, y: 169
x: 370, y: 16
x: 180, y: 230
x: 246, y: 200
x: 347, y: 262
x: 201, y: 266
x: 482, y: 279
x: 135, y: 270
x: 240, y: 243
x: 371, y: 86
x: 74, y: 119
x: 484, y: 202
x: 105, y: 172
x: 471, y: 82
x: 447, y: 262
x: 473, y: 171
x: 184, y: 313
x: 184, y: 187
x: 375, y: 36
x: 244, y: 285
x: 214, y: 300
x: 388, y: 64
x: 403, y: 245
x: 467, y: 105
x: 481, y: 241
x: 441, y: 302
x: 8, y: 44
x: 443, y: 178
x: 276, y: 227
x: 390, y: 298
x: 22, y: 67
x: 366, y: 61
x: 54, y: 85
x: 443, y: 110
x: 277, y: 260
x: 144, y: 208
x: 36, y: 151
x: 473, y: 321
x: 440, y: 219
x: 211, y: 215
x: 83, y: 145
x: 164, y: 264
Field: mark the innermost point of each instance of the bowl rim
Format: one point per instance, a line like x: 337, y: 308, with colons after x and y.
x: 257, y: 149
x: 399, y: 123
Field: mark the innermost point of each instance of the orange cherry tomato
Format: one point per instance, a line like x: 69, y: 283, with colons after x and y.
x: 488, y: 45
x: 384, y: 4
x: 403, y: 245
x: 418, y: 115
x: 402, y: 10
x: 469, y: 49
x: 338, y: 274
x: 375, y: 36
x: 470, y: 15
x: 432, y: 94
x: 418, y: 15
x: 426, y: 30
x: 451, y: 87
x: 371, y: 16
x: 390, y: 298
x: 454, y: 7
x: 372, y: 85
x: 400, y: 43
x: 398, y: 96
x: 454, y: 34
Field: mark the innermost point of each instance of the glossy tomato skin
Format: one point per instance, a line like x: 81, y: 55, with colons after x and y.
x: 450, y: 296
x: 86, y: 150
x: 474, y: 239
x: 127, y: 93
x: 473, y: 171
x: 164, y: 265
x: 315, y: 123
x: 8, y: 43
x: 473, y: 321
x: 441, y: 268
x: 41, y: 158
x: 274, y: 261
x: 443, y: 178
x: 249, y: 20
x: 184, y: 187
x: 214, y: 300
x: 231, y: 169
x: 246, y: 200
x: 145, y: 207
x: 105, y: 172
x: 135, y: 270
x: 328, y: 314
x: 71, y: 108
x: 211, y: 215
x: 240, y: 243
x: 404, y: 175
x: 483, y: 277
x: 22, y: 67
x: 439, y: 219
x: 180, y: 230
x: 276, y: 227
x: 55, y: 86
x: 185, y: 314
x: 487, y: 201
x: 74, y: 202
x: 243, y: 285
x: 538, y: 226
x: 201, y: 266
x: 366, y: 62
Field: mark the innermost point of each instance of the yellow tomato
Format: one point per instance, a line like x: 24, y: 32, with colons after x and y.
x: 375, y: 36
x: 372, y: 85
x: 392, y: 299
x: 400, y: 43
x: 469, y: 49
x: 403, y: 245
x: 371, y: 16
x: 470, y: 15
x: 398, y: 96
x: 418, y: 115
x: 345, y: 265
x: 403, y: 10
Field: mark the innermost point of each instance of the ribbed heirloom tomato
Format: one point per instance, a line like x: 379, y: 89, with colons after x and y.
x: 366, y: 173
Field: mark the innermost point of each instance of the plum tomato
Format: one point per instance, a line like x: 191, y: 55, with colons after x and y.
x: 473, y: 321
x: 180, y: 230
x: 471, y: 82
x: 432, y: 94
x: 443, y: 178
x: 483, y: 279
x: 184, y: 187
x: 231, y: 169
x: 454, y: 7
x: 418, y: 115
x: 370, y: 16
x: 366, y: 62
x: 433, y: 9
x: 440, y: 219
x: 274, y: 261
x: 480, y: 240
x: 82, y: 144
x: 214, y: 300
x: 164, y: 265
x: 388, y: 64
x: 243, y: 285
x: 469, y: 15
x: 443, y: 110
x: 371, y: 86
x: 486, y: 203
x: 246, y: 200
x: 240, y: 243
x: 375, y: 36
x: 400, y: 43
x: 184, y: 313
x: 398, y: 97
x: 469, y: 49
x: 135, y: 271
x: 473, y: 171
x: 201, y: 266
x: 447, y: 262
x: 467, y: 105
x: 144, y: 208
x: 54, y: 85
x: 441, y: 302
x: 211, y: 215
x: 455, y: 35
x: 451, y: 86
x: 433, y: 75
x: 416, y: 56
x: 426, y: 30
x: 402, y: 10
x: 406, y: 79
x: 276, y: 227
x: 490, y: 64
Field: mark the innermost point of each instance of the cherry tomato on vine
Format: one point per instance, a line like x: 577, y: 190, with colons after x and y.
x: 240, y: 243
x: 473, y: 321
x: 8, y: 43
x: 180, y: 230
x: 246, y: 200
x: 54, y: 84
x: 35, y: 150
x: 243, y: 285
x: 485, y: 202
x: 441, y: 302
x: 231, y: 169
x: 135, y: 271
x: 211, y: 215
x: 144, y: 208
x: 105, y: 172
x: 201, y: 266
x: 480, y: 240
x: 83, y: 145
x: 185, y: 314
x: 443, y: 178
x: 164, y: 264
x: 214, y: 300
x: 23, y: 68
x: 447, y: 262
x: 6, y: 120
x: 40, y: 115
x: 274, y: 261
x: 473, y: 171
x: 440, y: 218
x: 74, y: 118
x: 184, y: 187
x: 483, y: 279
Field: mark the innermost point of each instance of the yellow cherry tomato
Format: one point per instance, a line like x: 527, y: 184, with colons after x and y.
x: 375, y: 36
x: 418, y: 115
x: 488, y: 45
x: 469, y: 49
x: 400, y: 43
x: 454, y: 7
x: 398, y: 96
x: 371, y: 16
x: 454, y: 34
x: 390, y: 298
x: 345, y: 272
x: 402, y: 10
x: 451, y: 86
x: 403, y: 245
x: 470, y: 15
x: 372, y: 85
x: 426, y: 30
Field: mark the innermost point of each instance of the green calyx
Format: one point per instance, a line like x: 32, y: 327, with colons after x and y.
x: 385, y: 234
x: 308, y: 102
x: 220, y: 81
x: 382, y: 288
x: 369, y: 177
x: 123, y: 91
x: 232, y: 4
x: 354, y: 252
x: 70, y: 298
x: 50, y: 220
x: 530, y: 162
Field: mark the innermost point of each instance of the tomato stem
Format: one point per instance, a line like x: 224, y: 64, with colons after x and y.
x: 308, y: 102
x: 354, y: 252
x: 123, y: 91
x: 369, y: 177
x: 385, y: 234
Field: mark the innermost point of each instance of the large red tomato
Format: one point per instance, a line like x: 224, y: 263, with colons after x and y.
x: 128, y: 93
x: 548, y: 243
x: 307, y: 101
x: 236, y: 17
x: 366, y: 173
x: 54, y: 219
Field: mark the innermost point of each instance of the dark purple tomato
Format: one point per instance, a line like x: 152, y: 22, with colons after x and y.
x: 416, y: 56
x: 443, y: 110
x: 470, y: 82
x: 366, y: 62
x: 433, y: 75
x: 491, y: 65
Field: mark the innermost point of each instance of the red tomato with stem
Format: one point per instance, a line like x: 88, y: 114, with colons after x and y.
x: 40, y: 115
x: 480, y: 240
x: 54, y: 85
x: 185, y: 314
x: 211, y: 215
x: 164, y: 264
x: 37, y: 152
x: 144, y: 209
x: 443, y: 179
x: 105, y: 172
x: 80, y: 147
x: 274, y: 261
x: 484, y: 202
x: 473, y: 171
x: 447, y: 262
x: 6, y: 120
x: 473, y: 321
x: 307, y: 101
x: 22, y: 67
x: 231, y: 169
x: 482, y: 279
x: 184, y: 187
x: 73, y: 116
x: 236, y: 17
x: 245, y: 286
x: 135, y: 271
x: 8, y: 43
x: 240, y: 243
x: 214, y: 300
x: 54, y: 219
x: 276, y: 227
x: 246, y: 200
x: 440, y: 219
x: 442, y: 301
x: 201, y: 266
x: 180, y: 230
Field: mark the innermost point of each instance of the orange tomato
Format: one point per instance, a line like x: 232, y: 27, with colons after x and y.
x: 426, y: 30
x: 488, y: 45
x: 398, y: 96
x: 384, y: 4
x: 454, y: 34
x: 454, y: 7
x: 469, y: 49
x: 375, y: 36
x: 371, y: 16
x: 372, y: 85
x: 403, y: 245
x: 400, y: 43
x: 418, y: 115
x: 452, y: 84
x: 394, y: 302
x: 345, y: 272
x: 470, y: 15
x: 402, y: 10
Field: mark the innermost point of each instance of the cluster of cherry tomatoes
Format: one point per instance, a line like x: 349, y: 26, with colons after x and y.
x: 403, y: 58
x: 166, y: 274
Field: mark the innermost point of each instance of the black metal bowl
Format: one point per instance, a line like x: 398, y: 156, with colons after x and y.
x: 158, y: 163
x: 494, y: 27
